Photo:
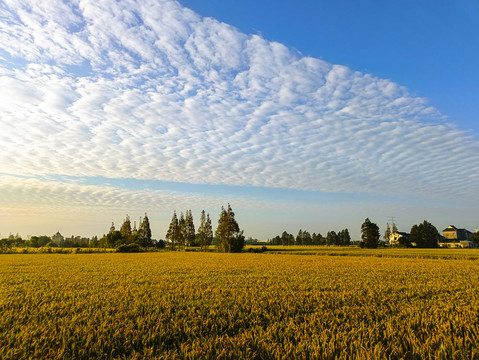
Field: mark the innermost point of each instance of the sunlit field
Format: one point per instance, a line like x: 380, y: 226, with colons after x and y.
x: 470, y: 254
x: 192, y: 305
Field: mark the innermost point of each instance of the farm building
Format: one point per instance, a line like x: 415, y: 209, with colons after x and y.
x: 395, y: 238
x: 454, y: 237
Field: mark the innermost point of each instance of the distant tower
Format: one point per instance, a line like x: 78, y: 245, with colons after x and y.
x: 112, y: 227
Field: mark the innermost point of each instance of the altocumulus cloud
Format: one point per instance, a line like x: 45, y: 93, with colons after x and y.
x: 151, y: 90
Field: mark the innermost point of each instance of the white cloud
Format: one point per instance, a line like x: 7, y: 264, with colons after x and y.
x: 169, y: 95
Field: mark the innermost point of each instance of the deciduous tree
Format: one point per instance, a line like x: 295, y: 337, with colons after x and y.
x: 425, y: 235
x: 475, y: 238
x: 229, y: 237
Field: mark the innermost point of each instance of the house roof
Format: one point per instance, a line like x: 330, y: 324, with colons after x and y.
x: 462, y: 234
x: 450, y: 228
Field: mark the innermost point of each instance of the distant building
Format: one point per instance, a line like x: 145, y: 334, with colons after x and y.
x: 394, y: 238
x: 456, y: 238
x: 57, y: 238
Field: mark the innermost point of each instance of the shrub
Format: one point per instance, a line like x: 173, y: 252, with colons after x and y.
x: 129, y: 248
x: 255, y: 250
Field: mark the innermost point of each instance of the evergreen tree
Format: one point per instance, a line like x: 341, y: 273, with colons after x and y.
x: 144, y: 233
x: 307, y: 239
x: 173, y: 233
x: 318, y: 239
x: 229, y: 237
x: 125, y: 229
x: 332, y: 238
x: 182, y: 231
x: 299, y: 237
x: 394, y: 229
x: 339, y: 238
x: 223, y: 232
x: 205, y: 231
x: 189, y: 228
x: 287, y: 239
x: 344, y: 237
x: 369, y: 235
x: 276, y: 240
x: 208, y: 230
x: 201, y: 236
x: 387, y: 233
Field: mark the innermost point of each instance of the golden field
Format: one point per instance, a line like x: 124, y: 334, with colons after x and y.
x: 190, y: 305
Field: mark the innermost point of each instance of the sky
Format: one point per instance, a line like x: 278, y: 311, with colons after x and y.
x: 301, y: 114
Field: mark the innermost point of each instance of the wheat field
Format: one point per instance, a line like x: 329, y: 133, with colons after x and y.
x: 191, y: 305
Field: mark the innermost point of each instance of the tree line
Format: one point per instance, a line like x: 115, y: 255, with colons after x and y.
x: 342, y: 238
x: 423, y: 235
x: 128, y: 235
x: 46, y: 241
x: 181, y: 233
x: 228, y: 236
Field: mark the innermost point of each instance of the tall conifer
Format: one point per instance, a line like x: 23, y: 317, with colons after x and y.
x: 125, y: 229
x: 205, y: 231
x: 182, y: 230
x: 189, y: 228
x: 173, y: 233
x: 144, y: 232
x: 387, y: 233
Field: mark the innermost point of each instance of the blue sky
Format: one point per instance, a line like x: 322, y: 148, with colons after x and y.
x: 431, y: 47
x: 303, y: 114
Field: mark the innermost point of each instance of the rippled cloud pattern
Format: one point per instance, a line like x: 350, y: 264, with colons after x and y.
x: 152, y: 90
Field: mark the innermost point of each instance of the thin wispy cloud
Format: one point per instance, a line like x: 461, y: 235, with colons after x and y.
x: 151, y: 90
x: 49, y: 192
x: 89, y: 209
